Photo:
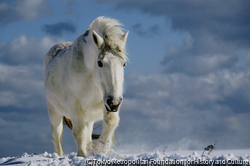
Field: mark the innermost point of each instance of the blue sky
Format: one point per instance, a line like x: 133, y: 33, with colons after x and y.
x: 187, y: 83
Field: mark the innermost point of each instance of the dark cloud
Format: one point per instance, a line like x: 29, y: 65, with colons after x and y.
x: 228, y: 20
x: 27, y: 136
x: 152, y: 31
x: 69, y: 2
x: 22, y: 10
x: 189, y: 58
x: 59, y: 28
x: 216, y: 30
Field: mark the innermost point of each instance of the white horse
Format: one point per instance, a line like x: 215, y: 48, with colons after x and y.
x: 84, y: 83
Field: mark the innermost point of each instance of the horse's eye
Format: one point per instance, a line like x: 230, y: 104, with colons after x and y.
x: 124, y: 64
x: 100, y: 64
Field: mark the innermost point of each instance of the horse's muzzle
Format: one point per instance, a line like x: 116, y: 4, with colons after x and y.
x: 112, y: 105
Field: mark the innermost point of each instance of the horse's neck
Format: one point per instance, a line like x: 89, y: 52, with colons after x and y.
x: 78, y: 47
x: 83, y: 60
x: 83, y: 54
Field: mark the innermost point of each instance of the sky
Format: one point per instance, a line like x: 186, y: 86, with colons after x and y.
x: 187, y: 82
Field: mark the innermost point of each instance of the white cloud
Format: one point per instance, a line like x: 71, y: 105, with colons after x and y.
x: 25, y: 51
x: 173, y: 107
x: 23, y: 10
x: 30, y: 9
x: 21, y: 71
x: 19, y: 85
x: 248, y: 58
x: 7, y: 98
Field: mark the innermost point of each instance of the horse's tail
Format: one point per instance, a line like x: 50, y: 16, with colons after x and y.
x: 54, y: 51
x: 70, y: 125
x: 68, y: 122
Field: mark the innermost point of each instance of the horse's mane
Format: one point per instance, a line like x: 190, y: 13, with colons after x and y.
x: 110, y: 30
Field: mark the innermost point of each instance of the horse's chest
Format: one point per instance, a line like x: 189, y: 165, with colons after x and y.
x: 90, y: 103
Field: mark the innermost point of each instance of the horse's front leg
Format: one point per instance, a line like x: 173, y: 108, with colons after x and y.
x: 82, y: 133
x: 110, y: 122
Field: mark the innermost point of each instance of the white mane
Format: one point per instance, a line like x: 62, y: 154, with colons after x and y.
x: 110, y: 30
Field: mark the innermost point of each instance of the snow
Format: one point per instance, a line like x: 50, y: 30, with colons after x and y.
x: 153, y: 158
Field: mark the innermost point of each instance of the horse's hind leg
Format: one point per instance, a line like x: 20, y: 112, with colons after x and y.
x: 56, y: 129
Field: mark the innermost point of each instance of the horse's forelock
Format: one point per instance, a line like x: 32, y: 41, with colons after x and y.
x: 110, y: 30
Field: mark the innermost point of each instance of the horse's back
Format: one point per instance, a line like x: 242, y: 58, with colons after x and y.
x: 53, y: 74
x: 54, y: 51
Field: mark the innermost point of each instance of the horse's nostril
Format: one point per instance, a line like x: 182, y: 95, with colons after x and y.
x: 110, y: 101
x: 112, y: 104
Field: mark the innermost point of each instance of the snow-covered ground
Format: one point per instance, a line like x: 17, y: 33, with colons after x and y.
x: 224, y: 157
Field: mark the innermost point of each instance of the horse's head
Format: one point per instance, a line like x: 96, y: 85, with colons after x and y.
x: 109, y: 69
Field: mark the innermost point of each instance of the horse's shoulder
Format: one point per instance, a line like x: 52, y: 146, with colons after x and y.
x: 58, y: 47
x: 54, y: 51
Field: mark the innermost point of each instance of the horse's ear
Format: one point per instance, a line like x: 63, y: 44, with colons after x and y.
x: 124, y: 37
x: 98, y: 40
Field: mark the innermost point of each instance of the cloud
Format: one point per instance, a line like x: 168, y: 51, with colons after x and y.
x: 189, y: 58
x: 228, y: 20
x: 152, y: 31
x: 21, y: 74
x: 22, y: 101
x: 200, y: 96
x: 23, y: 106
x: 22, y: 10
x: 25, y: 51
x: 26, y: 137
x: 21, y: 86
x: 216, y: 31
x: 184, y: 91
x: 166, y: 109
x: 69, y: 2
x: 59, y: 28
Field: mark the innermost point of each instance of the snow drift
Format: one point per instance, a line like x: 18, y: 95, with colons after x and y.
x: 216, y: 157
